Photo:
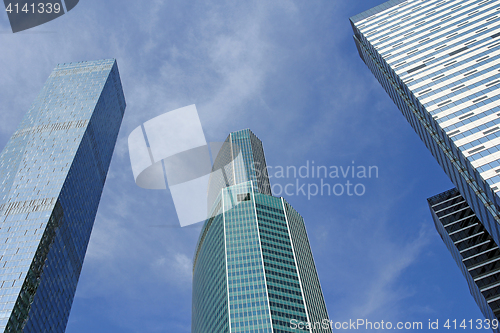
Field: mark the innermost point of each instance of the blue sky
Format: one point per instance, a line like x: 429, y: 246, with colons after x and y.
x: 288, y: 70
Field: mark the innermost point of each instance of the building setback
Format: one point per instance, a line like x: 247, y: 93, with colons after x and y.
x: 439, y: 62
x: 52, y: 173
x: 253, y: 267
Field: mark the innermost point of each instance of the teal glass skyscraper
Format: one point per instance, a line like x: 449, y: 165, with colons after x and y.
x: 253, y: 267
x: 439, y: 62
x: 52, y: 173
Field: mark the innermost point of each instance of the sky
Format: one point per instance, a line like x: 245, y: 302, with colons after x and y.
x: 289, y: 71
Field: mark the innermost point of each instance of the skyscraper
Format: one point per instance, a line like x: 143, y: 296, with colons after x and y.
x: 253, y: 267
x: 438, y: 60
x: 52, y: 173
x: 472, y: 247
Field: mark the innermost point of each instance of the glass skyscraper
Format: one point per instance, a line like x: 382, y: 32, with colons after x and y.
x: 439, y: 62
x: 253, y: 267
x: 472, y: 247
x: 52, y: 173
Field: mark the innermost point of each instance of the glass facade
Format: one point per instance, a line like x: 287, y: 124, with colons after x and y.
x: 52, y: 173
x: 241, y: 158
x: 474, y: 250
x: 439, y: 62
x: 253, y: 269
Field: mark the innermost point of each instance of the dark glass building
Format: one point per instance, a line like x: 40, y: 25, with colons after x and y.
x: 52, y: 173
x: 253, y: 267
x: 438, y: 60
x: 474, y: 250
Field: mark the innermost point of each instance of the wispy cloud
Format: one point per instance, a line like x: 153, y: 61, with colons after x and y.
x: 290, y: 71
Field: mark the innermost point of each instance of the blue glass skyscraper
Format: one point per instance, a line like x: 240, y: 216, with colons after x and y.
x: 439, y: 62
x: 253, y: 267
x: 52, y: 173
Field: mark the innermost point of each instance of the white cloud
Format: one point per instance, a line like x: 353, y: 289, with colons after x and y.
x: 284, y: 69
